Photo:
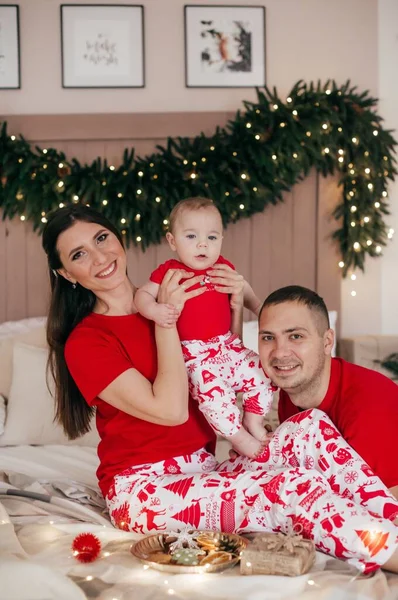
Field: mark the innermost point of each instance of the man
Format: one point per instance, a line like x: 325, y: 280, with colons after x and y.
x: 295, y: 345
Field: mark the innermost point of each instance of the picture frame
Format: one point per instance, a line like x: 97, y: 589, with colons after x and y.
x: 102, y: 45
x: 224, y: 46
x: 10, y: 63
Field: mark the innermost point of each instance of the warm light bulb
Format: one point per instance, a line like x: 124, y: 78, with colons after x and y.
x: 61, y: 205
x: 288, y: 99
x: 378, y: 249
x: 353, y: 224
x: 254, y: 189
x: 356, y: 246
x: 212, y: 148
x: 384, y: 194
x: 354, y: 140
x: 138, y: 238
x: 375, y: 132
x: 295, y: 155
x: 45, y: 150
x: 111, y: 168
x: 193, y: 175
x: 257, y: 136
x: 165, y: 222
x: 274, y: 157
x: 22, y: 217
x: 326, y: 150
x: 341, y: 151
x: 157, y: 199
x: 140, y: 174
x: 139, y: 192
x: 137, y: 217
x: 353, y: 277
x: 243, y: 176
x: 367, y: 170
x: 328, y: 92
x: 275, y: 107
x: 241, y: 206
x: 341, y: 159
x: 377, y: 204
x: 324, y: 126
x: 370, y: 186
x: 105, y: 202
x: 353, y: 209
x: 369, y: 242
x: 353, y: 293
x: 248, y: 125
x: 120, y: 195
x: 366, y: 219
x: 341, y: 264
x: 13, y: 138
x: 123, y: 220
x: 295, y: 113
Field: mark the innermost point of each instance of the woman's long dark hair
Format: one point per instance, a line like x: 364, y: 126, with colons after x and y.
x: 68, y: 307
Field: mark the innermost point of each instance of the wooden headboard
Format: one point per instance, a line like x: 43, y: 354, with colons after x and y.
x: 286, y: 244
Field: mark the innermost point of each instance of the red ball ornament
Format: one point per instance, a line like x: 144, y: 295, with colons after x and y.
x: 86, y: 547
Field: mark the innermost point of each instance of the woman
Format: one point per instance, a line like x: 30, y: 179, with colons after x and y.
x: 157, y: 470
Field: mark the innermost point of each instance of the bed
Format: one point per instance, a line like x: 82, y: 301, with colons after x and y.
x: 49, y: 494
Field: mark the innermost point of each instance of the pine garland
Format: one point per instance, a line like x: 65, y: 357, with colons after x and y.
x: 244, y: 167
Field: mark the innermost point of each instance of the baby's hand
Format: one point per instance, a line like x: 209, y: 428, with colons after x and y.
x: 166, y: 315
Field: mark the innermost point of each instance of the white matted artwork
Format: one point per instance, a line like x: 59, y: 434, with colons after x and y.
x: 10, y: 76
x: 102, y: 45
x: 224, y: 46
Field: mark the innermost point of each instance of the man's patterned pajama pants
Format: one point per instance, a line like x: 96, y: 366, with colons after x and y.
x: 312, y: 483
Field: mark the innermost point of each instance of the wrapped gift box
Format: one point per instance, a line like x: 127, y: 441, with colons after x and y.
x: 277, y: 554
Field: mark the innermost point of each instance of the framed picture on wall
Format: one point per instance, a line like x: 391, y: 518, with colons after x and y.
x: 102, y: 45
x: 10, y: 68
x: 224, y: 46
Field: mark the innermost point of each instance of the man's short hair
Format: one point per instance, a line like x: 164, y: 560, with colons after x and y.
x: 194, y: 203
x: 297, y: 293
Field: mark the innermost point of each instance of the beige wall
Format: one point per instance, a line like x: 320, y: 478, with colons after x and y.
x: 305, y: 39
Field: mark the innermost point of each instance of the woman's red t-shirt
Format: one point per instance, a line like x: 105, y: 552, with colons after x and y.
x: 100, y: 349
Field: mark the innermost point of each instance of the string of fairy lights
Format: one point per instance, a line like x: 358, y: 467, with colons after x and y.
x: 244, y: 167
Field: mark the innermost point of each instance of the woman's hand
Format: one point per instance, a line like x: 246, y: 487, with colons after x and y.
x: 173, y: 292
x: 228, y: 281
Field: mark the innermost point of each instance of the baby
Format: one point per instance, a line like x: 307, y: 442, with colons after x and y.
x: 218, y: 364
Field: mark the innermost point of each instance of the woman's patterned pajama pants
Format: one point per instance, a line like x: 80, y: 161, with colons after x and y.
x: 313, y: 482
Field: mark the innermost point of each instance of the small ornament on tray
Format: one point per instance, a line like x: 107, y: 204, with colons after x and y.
x: 181, y: 538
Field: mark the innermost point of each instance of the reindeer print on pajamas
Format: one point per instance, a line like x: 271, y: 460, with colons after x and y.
x: 220, y: 368
x: 312, y: 482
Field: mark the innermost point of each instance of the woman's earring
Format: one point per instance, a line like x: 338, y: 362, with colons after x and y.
x: 74, y: 285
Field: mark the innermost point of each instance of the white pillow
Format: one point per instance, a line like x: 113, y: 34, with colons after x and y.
x: 250, y: 332
x: 10, y: 328
x: 30, y: 408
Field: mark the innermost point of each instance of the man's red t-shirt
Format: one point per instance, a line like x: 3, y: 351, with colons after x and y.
x: 205, y: 316
x: 363, y: 404
x: 97, y: 351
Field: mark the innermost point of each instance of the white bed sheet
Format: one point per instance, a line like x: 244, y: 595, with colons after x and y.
x: 36, y: 561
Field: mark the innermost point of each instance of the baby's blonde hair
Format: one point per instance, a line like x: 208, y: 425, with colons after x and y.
x: 194, y: 203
